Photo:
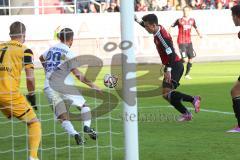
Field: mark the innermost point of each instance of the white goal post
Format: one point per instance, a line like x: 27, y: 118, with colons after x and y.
x: 131, y: 121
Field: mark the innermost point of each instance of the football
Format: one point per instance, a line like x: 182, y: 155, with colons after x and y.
x: 110, y: 81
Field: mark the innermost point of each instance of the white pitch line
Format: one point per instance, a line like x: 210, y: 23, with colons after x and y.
x: 214, y: 111
x: 201, y: 110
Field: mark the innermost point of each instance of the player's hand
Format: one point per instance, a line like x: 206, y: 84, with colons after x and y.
x: 98, y: 89
x: 32, y: 100
x: 136, y: 19
x: 168, y: 77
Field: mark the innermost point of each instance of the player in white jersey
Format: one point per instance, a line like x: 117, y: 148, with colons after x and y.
x: 51, y: 59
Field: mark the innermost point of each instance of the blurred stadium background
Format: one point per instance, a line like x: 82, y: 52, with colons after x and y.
x: 93, y: 30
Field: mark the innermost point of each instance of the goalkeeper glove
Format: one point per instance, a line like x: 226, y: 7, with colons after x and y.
x: 32, y: 100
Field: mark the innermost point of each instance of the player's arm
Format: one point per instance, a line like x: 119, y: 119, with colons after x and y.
x: 171, y: 54
x: 197, y: 30
x: 169, y: 50
x: 199, y: 34
x: 42, y: 60
x: 139, y: 21
x: 80, y: 76
x: 173, y: 25
x: 30, y: 78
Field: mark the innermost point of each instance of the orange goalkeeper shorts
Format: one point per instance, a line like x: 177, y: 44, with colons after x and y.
x: 16, y: 106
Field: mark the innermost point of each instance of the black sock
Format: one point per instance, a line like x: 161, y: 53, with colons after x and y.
x: 236, y: 108
x: 185, y: 97
x: 189, y: 65
x: 175, y: 100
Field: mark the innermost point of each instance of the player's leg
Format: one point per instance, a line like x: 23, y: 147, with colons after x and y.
x: 62, y: 115
x: 86, y: 118
x: 190, y: 55
x: 176, y: 76
x: 85, y: 110
x: 34, y: 137
x: 235, y: 93
x: 68, y: 127
x: 20, y: 109
x: 183, y: 52
x: 174, y: 97
x: 188, y: 69
x: 34, y: 128
x: 85, y: 114
x: 61, y: 112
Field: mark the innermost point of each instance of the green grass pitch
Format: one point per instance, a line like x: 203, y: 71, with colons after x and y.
x: 160, y: 136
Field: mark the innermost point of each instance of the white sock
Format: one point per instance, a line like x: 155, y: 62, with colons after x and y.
x: 67, y: 125
x: 88, y: 116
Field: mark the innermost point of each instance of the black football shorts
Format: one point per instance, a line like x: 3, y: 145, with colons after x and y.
x: 176, y: 73
x: 186, y: 50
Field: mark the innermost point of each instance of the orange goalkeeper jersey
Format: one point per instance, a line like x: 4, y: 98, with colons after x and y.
x: 13, y: 57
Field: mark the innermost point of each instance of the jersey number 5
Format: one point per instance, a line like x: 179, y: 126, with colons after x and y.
x: 3, y: 53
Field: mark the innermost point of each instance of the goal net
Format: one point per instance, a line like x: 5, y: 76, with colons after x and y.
x: 56, y: 143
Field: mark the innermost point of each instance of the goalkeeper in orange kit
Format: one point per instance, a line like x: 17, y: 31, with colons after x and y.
x: 13, y: 57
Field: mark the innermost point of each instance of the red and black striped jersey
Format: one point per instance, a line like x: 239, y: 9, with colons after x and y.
x: 184, y: 29
x: 164, y: 45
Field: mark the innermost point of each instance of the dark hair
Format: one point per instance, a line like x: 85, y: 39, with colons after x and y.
x: 17, y: 29
x: 236, y: 10
x: 150, y: 18
x: 65, y: 34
